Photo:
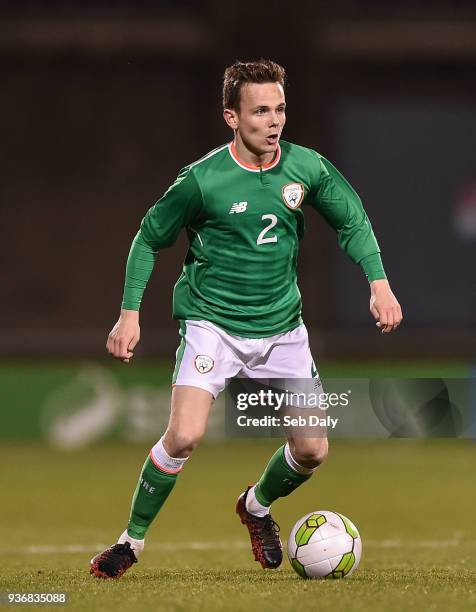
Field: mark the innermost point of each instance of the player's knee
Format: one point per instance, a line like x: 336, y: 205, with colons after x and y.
x: 311, y: 454
x: 182, y: 444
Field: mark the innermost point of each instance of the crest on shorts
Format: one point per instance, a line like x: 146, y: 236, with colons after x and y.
x: 293, y: 195
x: 204, y: 363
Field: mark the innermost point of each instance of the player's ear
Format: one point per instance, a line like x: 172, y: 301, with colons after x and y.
x: 231, y: 118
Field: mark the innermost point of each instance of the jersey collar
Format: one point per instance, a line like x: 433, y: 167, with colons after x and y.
x: 249, y: 167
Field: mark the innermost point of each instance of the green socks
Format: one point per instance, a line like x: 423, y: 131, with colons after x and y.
x: 155, y: 484
x: 152, y: 490
x: 278, y: 479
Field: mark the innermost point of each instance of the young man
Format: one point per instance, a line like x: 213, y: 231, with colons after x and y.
x: 237, y: 299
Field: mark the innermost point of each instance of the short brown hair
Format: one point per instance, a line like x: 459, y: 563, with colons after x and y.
x: 261, y: 71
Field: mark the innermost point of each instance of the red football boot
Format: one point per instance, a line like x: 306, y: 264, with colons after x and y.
x: 264, y: 535
x: 113, y: 562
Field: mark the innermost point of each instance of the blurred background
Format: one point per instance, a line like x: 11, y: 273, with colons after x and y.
x: 103, y: 102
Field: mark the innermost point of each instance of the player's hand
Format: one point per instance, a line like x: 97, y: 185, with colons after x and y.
x: 124, y: 336
x: 384, y: 306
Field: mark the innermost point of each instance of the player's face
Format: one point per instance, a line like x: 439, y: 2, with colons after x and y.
x: 260, y: 118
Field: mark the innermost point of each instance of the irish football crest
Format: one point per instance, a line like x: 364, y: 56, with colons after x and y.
x: 293, y: 195
x: 204, y: 363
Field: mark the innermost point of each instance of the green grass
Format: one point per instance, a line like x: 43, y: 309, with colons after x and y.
x: 413, y: 502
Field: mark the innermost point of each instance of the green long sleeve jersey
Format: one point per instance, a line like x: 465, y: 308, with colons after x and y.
x: 244, y: 225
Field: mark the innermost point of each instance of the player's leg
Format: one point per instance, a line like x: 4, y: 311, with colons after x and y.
x: 287, y: 356
x: 187, y: 424
x: 190, y: 408
x: 290, y: 467
x: 203, y: 364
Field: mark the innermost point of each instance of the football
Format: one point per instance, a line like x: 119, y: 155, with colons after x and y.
x: 324, y: 544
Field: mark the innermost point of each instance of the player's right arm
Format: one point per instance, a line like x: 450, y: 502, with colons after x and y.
x: 178, y: 207
x: 124, y: 336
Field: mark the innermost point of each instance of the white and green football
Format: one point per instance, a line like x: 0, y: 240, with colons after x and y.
x: 324, y: 544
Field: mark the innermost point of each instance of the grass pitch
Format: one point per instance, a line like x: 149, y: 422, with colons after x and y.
x: 413, y: 502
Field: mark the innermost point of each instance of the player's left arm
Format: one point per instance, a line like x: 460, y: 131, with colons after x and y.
x: 342, y: 208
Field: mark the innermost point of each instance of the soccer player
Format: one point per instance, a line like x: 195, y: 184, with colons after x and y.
x: 237, y: 299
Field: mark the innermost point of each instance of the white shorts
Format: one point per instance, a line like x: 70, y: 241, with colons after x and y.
x: 208, y: 356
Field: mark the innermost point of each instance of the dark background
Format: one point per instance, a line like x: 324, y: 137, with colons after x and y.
x: 102, y: 103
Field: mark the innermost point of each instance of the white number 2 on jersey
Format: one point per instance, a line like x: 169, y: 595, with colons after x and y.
x: 261, y: 238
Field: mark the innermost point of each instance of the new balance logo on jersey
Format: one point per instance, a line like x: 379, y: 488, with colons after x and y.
x: 238, y: 207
